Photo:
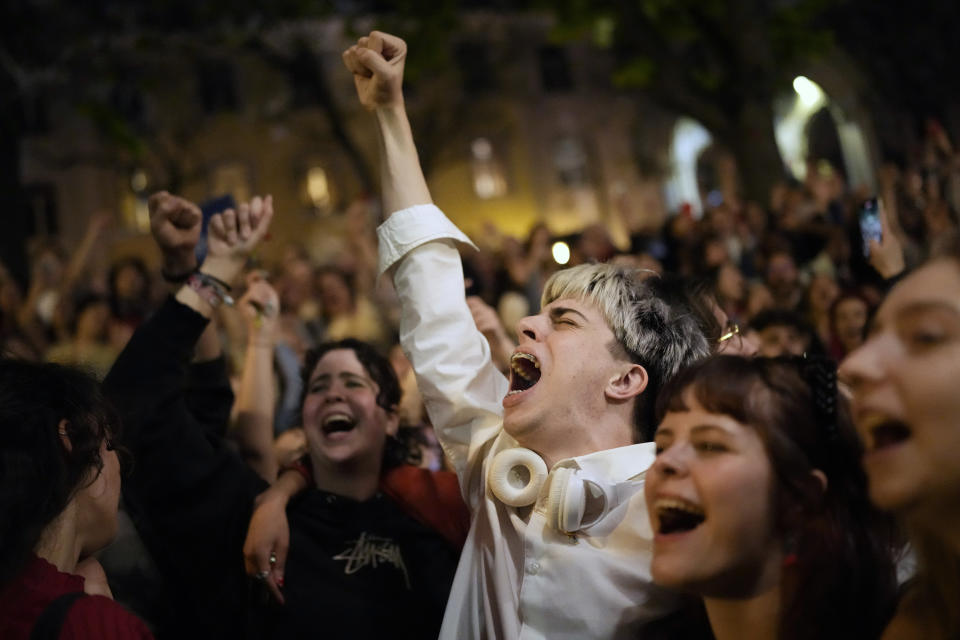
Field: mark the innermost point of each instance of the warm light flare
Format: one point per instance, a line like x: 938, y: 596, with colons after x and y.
x: 561, y: 252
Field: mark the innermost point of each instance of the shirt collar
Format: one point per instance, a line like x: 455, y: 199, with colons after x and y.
x: 615, y: 465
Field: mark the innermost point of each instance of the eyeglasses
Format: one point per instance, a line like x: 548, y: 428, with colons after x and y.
x: 732, y: 330
x: 731, y: 333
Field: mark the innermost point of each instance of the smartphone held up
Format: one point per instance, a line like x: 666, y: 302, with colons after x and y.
x: 871, y: 228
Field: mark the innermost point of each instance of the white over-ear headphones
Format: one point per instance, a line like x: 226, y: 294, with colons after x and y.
x: 574, y: 501
x: 516, y: 475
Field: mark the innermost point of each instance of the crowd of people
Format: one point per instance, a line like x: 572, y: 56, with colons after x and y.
x: 653, y: 441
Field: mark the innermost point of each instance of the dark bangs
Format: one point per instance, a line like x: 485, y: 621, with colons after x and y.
x: 727, y: 385
x: 844, y: 581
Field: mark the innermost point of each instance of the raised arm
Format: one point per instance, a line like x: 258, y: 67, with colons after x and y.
x: 175, y: 224
x: 376, y: 62
x: 191, y: 494
x: 253, y: 428
x: 462, y: 388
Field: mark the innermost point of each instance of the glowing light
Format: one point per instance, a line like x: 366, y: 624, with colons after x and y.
x: 809, y: 92
x: 318, y: 188
x: 690, y: 138
x: 561, y: 252
x: 791, y: 116
x: 481, y: 149
x: 138, y: 181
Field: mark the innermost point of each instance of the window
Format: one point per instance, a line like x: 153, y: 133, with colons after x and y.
x: 473, y: 60
x: 489, y: 180
x: 570, y: 162
x: 217, y: 86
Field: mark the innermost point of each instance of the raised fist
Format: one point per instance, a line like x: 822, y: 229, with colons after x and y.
x: 260, y: 306
x: 175, y: 224
x: 233, y: 234
x: 376, y: 62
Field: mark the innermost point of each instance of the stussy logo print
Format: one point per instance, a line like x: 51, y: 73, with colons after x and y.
x: 372, y: 551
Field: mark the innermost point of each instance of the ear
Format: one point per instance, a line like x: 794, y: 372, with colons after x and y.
x: 393, y: 422
x: 64, y: 438
x: 627, y: 383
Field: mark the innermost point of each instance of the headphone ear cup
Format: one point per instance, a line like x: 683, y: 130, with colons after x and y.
x: 566, y: 501
x: 516, y: 475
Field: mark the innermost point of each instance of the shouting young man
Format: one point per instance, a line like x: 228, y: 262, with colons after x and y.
x: 574, y: 561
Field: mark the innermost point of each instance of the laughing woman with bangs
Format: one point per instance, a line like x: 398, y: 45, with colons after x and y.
x: 760, y: 508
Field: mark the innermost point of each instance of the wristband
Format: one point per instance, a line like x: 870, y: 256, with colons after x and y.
x: 213, y: 290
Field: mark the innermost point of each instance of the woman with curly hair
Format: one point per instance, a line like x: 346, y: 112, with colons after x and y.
x: 59, y: 491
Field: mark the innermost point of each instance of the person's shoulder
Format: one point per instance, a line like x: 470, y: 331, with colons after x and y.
x: 102, y: 618
x: 409, y: 477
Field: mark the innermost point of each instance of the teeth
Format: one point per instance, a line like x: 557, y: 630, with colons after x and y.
x: 873, y: 420
x: 335, y: 417
x: 663, y: 504
x: 514, y: 392
x: 515, y: 364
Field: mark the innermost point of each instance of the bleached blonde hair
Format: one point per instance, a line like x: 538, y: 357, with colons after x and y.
x: 650, y: 317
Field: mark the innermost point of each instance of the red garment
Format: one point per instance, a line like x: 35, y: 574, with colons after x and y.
x: 26, y: 596
x: 432, y: 498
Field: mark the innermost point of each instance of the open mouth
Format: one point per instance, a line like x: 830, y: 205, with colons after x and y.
x: 338, y: 423
x: 886, y: 432
x: 677, y: 516
x: 524, y: 372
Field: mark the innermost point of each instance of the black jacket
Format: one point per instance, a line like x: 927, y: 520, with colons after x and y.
x: 354, y: 569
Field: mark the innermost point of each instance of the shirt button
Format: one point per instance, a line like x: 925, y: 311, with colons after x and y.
x: 533, y: 568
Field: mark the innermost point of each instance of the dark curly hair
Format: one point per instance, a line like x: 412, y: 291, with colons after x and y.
x: 402, y: 449
x: 38, y: 475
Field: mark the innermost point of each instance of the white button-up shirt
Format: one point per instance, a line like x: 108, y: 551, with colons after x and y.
x: 518, y: 576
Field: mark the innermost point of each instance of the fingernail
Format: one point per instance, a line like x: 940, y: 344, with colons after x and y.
x: 280, y: 582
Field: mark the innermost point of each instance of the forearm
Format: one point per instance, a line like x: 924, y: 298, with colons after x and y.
x: 253, y: 429
x: 403, y: 183
x: 27, y: 313
x: 79, y: 262
x: 209, y: 396
x: 208, y: 346
x: 224, y: 269
x: 288, y: 484
x: 150, y: 371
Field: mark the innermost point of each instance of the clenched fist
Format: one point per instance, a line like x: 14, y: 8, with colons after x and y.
x: 376, y: 62
x: 175, y: 224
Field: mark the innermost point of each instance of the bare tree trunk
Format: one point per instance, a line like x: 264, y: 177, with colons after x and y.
x: 754, y: 146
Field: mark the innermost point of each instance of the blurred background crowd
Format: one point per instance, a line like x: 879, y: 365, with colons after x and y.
x: 789, y: 274
x: 729, y: 142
